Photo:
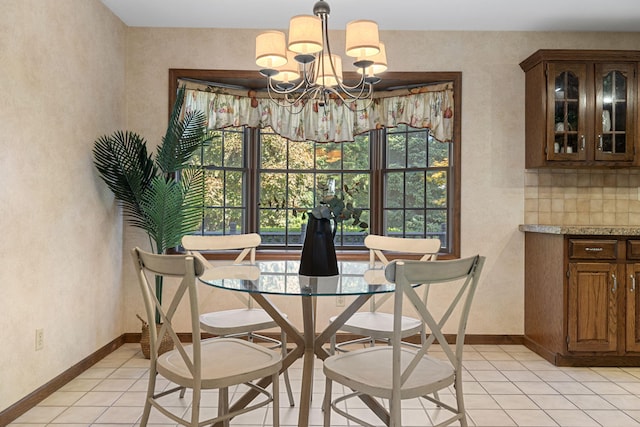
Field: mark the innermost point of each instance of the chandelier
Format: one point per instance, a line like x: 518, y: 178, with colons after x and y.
x: 305, y: 69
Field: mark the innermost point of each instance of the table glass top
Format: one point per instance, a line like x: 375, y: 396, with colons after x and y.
x: 282, y: 278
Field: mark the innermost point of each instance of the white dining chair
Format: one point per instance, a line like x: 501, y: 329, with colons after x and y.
x: 204, y: 364
x: 396, y: 372
x: 248, y: 320
x: 374, y: 325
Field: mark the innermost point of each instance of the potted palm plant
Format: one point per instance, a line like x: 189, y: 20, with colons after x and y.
x: 162, y: 194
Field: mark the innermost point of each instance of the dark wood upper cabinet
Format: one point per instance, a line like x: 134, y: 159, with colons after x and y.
x: 581, y: 108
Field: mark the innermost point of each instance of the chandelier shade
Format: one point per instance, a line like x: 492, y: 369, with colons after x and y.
x: 288, y: 72
x: 270, y: 49
x: 305, y: 34
x: 362, y: 39
x: 304, y: 68
x: 329, y: 70
x: 379, y: 63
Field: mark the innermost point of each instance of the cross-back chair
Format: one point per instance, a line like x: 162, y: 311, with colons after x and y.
x: 375, y: 325
x: 248, y: 320
x: 397, y: 372
x: 203, y: 364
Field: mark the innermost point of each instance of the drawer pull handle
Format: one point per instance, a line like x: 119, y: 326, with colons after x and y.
x: 633, y: 282
x: 615, y: 283
x: 593, y: 249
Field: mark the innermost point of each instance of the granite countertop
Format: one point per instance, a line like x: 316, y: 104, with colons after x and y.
x: 591, y: 230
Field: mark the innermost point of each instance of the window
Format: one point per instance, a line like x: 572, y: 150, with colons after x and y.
x: 404, y: 181
x: 416, y: 179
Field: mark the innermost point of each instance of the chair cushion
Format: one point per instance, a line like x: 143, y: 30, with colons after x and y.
x: 225, y: 362
x: 369, y: 371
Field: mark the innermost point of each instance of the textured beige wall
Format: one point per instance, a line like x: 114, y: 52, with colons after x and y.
x: 493, y: 190
x: 62, y: 86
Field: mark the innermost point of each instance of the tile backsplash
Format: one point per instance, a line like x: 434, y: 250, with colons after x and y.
x: 582, y: 197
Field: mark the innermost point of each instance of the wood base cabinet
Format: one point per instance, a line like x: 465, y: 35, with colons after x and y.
x: 581, y: 299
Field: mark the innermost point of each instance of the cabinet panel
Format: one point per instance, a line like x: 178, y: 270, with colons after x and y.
x: 566, y: 111
x: 633, y: 249
x: 592, y: 307
x: 633, y: 308
x: 614, y: 113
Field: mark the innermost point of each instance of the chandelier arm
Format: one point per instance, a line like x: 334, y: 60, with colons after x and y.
x: 274, y: 88
x: 352, y: 92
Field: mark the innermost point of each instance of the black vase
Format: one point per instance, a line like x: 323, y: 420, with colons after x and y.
x: 318, y: 252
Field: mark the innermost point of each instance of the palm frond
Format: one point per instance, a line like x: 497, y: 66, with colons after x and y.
x: 173, y: 209
x: 185, y: 134
x: 126, y: 167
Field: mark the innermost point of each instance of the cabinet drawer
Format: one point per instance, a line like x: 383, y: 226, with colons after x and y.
x: 633, y: 249
x: 594, y: 249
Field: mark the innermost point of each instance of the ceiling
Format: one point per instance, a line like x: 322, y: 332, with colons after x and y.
x: 441, y: 15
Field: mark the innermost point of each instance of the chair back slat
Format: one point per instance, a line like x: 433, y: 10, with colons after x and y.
x: 246, y: 243
x: 378, y: 245
x: 464, y: 274
x: 187, y: 268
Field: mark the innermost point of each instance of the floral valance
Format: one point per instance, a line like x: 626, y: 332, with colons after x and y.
x: 428, y: 106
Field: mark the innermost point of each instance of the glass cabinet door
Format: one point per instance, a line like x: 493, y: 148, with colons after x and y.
x: 614, y: 122
x: 566, y: 97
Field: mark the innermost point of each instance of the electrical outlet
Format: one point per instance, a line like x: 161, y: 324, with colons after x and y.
x: 39, y: 339
x: 340, y: 301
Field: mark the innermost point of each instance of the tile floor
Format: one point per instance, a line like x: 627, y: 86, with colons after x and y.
x: 504, y: 386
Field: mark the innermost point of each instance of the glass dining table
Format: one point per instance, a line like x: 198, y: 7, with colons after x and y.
x: 265, y: 278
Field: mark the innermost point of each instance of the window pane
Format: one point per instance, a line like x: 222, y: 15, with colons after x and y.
x: 233, y: 153
x: 438, y: 153
x: 234, y: 186
x: 214, y: 188
x: 394, y: 222
x: 414, y: 183
x: 417, y: 149
x: 414, y: 223
x: 300, y: 154
x: 329, y: 156
x: 273, y: 190
x: 273, y: 149
x: 356, y: 153
x: 396, y: 150
x: 394, y: 190
x: 437, y: 189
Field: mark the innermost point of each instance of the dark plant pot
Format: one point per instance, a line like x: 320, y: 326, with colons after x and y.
x: 318, y: 252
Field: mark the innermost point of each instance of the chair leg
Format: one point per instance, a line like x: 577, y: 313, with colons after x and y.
x: 223, y: 404
x: 460, y: 401
x: 151, y: 387
x: 276, y: 399
x: 287, y: 383
x: 332, y: 344
x: 326, y: 403
x: 195, y: 407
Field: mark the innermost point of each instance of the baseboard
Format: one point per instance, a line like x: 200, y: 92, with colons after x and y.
x: 37, y: 396
x: 41, y: 393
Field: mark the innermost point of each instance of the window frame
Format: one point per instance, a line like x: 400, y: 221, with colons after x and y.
x: 252, y: 80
